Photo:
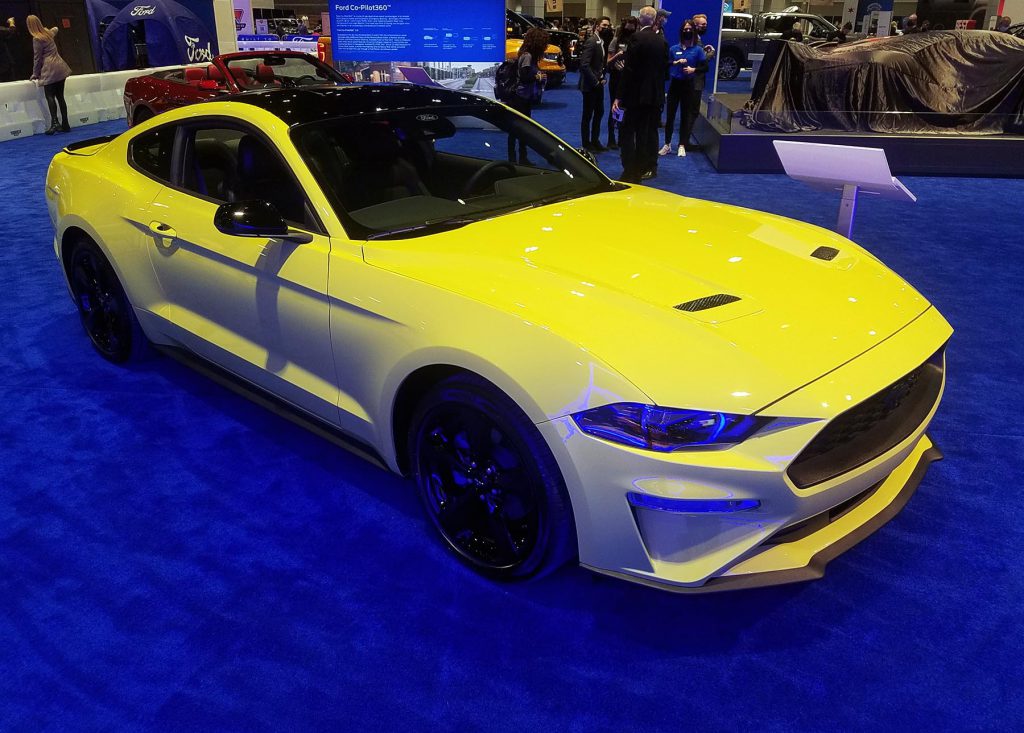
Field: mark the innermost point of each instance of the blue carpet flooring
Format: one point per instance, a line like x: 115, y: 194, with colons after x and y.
x: 173, y: 557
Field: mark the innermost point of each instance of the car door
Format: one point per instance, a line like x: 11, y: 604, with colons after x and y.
x: 255, y: 306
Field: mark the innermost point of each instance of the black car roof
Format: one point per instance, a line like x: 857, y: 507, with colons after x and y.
x: 310, y: 104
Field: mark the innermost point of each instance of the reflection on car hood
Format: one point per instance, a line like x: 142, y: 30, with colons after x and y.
x: 607, y: 272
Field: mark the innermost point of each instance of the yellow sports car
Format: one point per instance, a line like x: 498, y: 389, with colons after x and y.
x: 673, y: 391
x: 552, y: 64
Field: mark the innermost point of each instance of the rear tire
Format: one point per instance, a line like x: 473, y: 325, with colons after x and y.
x: 141, y: 115
x: 106, y: 314
x: 488, y: 481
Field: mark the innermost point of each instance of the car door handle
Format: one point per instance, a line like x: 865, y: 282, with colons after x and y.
x: 162, y: 230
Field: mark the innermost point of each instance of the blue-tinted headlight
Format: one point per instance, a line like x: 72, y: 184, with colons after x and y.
x: 664, y: 429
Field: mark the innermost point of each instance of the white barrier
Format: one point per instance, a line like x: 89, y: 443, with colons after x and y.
x: 15, y: 121
x: 91, y: 98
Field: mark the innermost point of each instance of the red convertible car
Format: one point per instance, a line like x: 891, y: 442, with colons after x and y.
x: 229, y: 73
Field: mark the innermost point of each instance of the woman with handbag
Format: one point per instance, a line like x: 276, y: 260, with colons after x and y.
x: 531, y: 84
x: 616, y: 63
x: 49, y: 71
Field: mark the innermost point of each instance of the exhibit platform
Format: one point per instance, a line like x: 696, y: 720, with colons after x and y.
x: 733, y: 148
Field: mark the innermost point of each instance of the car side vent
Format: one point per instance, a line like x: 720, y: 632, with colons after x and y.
x: 825, y: 253
x: 703, y: 304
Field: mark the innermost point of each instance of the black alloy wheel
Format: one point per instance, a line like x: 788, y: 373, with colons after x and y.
x: 488, y: 481
x: 103, y: 307
x: 728, y: 67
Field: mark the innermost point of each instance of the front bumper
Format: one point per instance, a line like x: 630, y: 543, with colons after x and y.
x: 793, y: 532
x: 805, y: 556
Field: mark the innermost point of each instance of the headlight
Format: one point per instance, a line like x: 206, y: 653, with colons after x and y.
x: 664, y: 429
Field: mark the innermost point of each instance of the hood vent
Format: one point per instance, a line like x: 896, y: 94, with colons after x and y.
x: 825, y: 253
x: 705, y: 303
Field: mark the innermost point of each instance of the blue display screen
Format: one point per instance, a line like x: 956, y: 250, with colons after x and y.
x: 418, y: 30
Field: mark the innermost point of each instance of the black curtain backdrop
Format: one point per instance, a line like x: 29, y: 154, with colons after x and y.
x: 73, y: 38
x: 21, y: 46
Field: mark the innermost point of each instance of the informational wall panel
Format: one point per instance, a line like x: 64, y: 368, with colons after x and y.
x: 404, y: 30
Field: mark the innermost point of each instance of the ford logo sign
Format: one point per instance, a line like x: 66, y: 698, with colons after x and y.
x: 426, y: 118
x: 142, y: 10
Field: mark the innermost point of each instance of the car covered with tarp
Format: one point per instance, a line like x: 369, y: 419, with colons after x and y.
x: 939, y: 82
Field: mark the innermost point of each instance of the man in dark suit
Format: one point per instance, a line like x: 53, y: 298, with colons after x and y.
x: 640, y: 96
x: 592, y: 60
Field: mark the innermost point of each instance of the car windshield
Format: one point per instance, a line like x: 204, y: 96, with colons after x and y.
x: 276, y: 71
x: 411, y: 172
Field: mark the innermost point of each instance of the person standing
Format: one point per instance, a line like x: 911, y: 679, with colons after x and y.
x: 700, y: 24
x: 616, y: 62
x: 686, y: 59
x: 7, y: 33
x: 640, y: 96
x: 49, y: 71
x: 530, y: 81
x: 592, y: 61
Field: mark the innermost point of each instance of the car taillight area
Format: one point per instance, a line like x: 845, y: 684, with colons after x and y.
x: 872, y: 427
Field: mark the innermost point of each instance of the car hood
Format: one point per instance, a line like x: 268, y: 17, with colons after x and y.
x: 608, y: 271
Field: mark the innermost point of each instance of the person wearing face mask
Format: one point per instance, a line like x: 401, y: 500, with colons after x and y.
x: 686, y: 58
x: 700, y: 25
x: 639, y: 99
x: 616, y: 62
x: 592, y: 63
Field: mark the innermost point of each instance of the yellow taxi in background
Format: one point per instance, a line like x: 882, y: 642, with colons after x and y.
x: 552, y: 64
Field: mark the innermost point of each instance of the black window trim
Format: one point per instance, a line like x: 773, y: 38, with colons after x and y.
x: 179, y: 150
x: 139, y: 169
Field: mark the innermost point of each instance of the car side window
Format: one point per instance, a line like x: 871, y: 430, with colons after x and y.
x: 151, y: 152
x: 228, y: 165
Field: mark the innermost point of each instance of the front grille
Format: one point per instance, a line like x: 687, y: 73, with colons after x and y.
x: 872, y: 427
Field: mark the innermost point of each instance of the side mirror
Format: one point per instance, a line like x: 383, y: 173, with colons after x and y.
x: 259, y: 219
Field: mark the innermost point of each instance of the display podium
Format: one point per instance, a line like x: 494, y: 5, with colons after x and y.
x: 845, y: 168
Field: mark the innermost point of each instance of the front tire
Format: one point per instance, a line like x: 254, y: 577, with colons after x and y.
x: 489, y: 482
x: 729, y: 66
x: 106, y: 314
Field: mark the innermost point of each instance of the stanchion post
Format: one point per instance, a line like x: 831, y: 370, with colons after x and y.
x: 847, y: 209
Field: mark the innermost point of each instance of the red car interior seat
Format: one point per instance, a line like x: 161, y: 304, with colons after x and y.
x: 241, y: 78
x: 193, y: 75
x: 213, y: 72
x: 265, y: 75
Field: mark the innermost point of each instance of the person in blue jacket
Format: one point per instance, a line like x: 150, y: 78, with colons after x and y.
x: 687, y: 59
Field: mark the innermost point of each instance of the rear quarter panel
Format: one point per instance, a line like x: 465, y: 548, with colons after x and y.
x: 101, y: 196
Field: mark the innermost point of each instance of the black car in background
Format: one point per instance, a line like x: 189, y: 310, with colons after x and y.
x: 516, y: 25
x: 744, y: 34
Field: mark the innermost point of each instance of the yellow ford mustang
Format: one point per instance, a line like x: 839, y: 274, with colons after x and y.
x: 676, y: 392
